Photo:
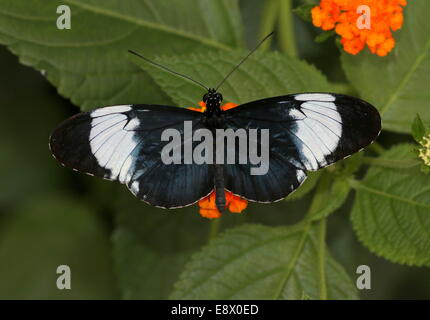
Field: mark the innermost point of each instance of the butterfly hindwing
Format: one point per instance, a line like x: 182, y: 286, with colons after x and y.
x: 307, y: 132
x: 281, y: 179
x: 124, y: 143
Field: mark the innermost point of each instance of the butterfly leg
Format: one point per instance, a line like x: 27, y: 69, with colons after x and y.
x: 220, y: 200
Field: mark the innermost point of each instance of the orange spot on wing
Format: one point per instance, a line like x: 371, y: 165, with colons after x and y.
x: 226, y: 106
x: 229, y: 105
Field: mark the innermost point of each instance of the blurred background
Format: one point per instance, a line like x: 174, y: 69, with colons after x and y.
x: 50, y: 216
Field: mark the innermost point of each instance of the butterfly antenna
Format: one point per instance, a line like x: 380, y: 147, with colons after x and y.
x: 167, y: 69
x: 243, y: 60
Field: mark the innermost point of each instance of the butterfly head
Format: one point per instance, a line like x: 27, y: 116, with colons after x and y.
x: 213, y: 100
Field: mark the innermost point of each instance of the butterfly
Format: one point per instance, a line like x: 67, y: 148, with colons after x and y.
x: 308, y: 131
x: 127, y: 143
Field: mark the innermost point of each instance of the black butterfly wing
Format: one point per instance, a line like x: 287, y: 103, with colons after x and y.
x: 124, y: 143
x: 307, y: 132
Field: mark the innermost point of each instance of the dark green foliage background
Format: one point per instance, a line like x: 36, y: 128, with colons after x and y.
x: 118, y: 247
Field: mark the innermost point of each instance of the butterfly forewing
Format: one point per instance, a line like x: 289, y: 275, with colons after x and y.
x: 307, y: 132
x: 124, y: 143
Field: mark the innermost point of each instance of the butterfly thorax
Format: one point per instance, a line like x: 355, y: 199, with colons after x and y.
x: 213, y: 100
x: 213, y: 113
x: 213, y: 119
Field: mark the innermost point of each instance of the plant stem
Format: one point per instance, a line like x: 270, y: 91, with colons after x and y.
x: 268, y: 21
x: 317, y: 204
x: 321, y: 258
x: 214, y: 228
x: 287, y: 41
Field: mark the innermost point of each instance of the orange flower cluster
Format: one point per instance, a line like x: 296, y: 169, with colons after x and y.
x: 385, y: 16
x: 234, y: 203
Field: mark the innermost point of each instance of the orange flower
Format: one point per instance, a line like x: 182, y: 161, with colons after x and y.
x: 341, y: 15
x: 234, y: 203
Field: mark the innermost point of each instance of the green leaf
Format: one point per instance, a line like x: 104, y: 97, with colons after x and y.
x: 262, y: 75
x: 425, y: 169
x: 391, y: 213
x: 418, y: 129
x: 151, y: 246
x: 49, y: 231
x: 336, y: 196
x: 397, y: 84
x: 338, y: 188
x: 17, y: 147
x: 145, y: 272
x: 347, y: 167
x: 259, y: 262
x: 89, y: 63
x: 306, y: 187
x: 324, y: 36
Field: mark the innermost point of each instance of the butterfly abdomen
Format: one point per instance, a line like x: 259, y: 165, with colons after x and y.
x: 219, y: 184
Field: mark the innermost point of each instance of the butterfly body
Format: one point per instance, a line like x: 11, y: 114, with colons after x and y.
x: 213, y: 119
